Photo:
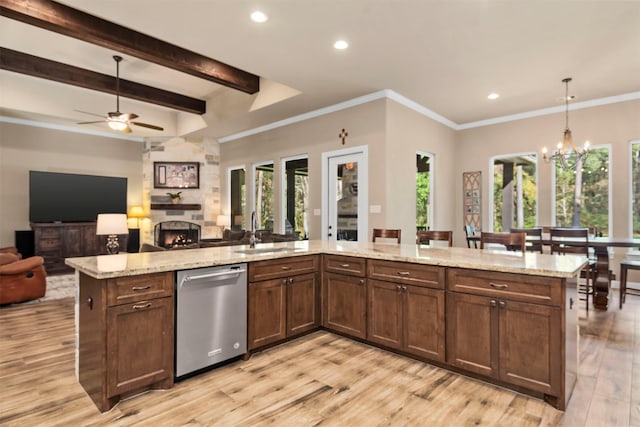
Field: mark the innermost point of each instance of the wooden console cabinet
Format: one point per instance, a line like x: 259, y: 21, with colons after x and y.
x: 283, y: 299
x: 125, y: 339
x: 57, y: 241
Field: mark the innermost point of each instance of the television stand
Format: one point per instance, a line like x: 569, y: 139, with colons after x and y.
x: 59, y: 240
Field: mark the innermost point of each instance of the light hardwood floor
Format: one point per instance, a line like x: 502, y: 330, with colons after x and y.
x: 320, y: 379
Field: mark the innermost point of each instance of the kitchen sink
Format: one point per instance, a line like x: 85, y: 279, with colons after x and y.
x: 253, y: 251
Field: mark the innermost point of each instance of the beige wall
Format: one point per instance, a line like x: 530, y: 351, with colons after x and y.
x: 366, y: 126
x: 25, y: 148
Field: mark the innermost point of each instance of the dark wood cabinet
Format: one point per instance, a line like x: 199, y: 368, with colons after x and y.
x: 55, y: 242
x: 494, y: 331
x: 407, y: 317
x: 283, y: 299
x: 125, y: 339
x: 344, y: 295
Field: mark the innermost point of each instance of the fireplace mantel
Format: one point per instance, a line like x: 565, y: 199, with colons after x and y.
x: 176, y: 207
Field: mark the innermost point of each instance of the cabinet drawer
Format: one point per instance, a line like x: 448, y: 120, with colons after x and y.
x: 48, y: 245
x: 403, y: 272
x: 345, y: 265
x: 518, y: 287
x: 48, y: 233
x: 123, y: 290
x: 283, y: 267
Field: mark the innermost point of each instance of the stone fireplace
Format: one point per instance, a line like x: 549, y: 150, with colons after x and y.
x: 169, y: 234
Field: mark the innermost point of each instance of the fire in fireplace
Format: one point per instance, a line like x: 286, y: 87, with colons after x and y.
x: 169, y: 234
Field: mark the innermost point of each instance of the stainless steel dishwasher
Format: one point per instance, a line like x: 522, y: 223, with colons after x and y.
x: 211, y: 316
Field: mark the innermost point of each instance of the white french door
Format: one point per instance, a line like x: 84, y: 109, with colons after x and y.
x: 345, y: 191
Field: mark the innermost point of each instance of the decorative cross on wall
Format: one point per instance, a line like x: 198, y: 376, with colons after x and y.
x: 343, y: 136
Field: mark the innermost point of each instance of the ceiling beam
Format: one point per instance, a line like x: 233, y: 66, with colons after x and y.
x: 23, y: 63
x: 74, y: 23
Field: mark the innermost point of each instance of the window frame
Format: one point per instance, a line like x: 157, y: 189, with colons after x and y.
x: 283, y: 188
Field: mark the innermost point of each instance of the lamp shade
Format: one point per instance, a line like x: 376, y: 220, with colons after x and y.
x: 222, y: 221
x: 109, y: 224
x: 136, y: 212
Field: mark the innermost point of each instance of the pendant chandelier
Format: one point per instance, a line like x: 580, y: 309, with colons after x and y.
x: 567, y: 155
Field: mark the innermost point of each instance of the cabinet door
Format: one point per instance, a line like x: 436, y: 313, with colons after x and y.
x: 72, y: 242
x: 424, y: 326
x: 140, y: 345
x: 302, y: 304
x: 471, y: 345
x: 384, y: 325
x: 530, y: 346
x: 345, y: 304
x: 267, y: 312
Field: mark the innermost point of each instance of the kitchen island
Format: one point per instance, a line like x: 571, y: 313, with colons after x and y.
x: 506, y: 318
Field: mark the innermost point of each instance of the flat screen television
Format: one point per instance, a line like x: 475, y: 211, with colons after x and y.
x: 66, y: 197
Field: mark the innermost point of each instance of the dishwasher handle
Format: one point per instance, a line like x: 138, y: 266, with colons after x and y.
x: 221, y: 275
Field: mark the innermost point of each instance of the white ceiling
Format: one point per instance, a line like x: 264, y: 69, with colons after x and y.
x: 446, y: 55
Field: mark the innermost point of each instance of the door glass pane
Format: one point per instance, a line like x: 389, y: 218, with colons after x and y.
x: 582, y: 194
x: 347, y: 201
x: 297, y: 197
x: 423, y: 192
x: 264, y: 196
x: 238, y: 198
x: 514, y: 192
x: 635, y: 188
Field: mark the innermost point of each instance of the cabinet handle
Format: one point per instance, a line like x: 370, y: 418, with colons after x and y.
x: 502, y: 304
x: 362, y: 281
x: 290, y: 280
x: 140, y: 288
x: 403, y: 273
x: 141, y: 306
x: 284, y: 281
x: 344, y: 265
x: 498, y: 285
x: 286, y: 267
x: 398, y: 288
x: 493, y: 303
x: 404, y: 289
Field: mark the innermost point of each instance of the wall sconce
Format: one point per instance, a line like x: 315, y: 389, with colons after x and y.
x: 111, y: 225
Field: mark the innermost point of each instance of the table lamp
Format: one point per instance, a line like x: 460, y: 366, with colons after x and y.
x: 136, y: 212
x: 222, y: 221
x: 111, y: 225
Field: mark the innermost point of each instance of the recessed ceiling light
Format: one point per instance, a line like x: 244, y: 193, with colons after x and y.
x: 493, y: 96
x: 258, y: 16
x: 341, y: 44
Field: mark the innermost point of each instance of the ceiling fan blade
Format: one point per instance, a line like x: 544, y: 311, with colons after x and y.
x: 90, y: 123
x: 91, y: 114
x: 146, y: 125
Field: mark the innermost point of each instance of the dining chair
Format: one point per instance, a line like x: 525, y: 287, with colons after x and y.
x: 382, y: 233
x: 534, y: 238
x: 511, y: 241
x: 425, y: 237
x: 470, y: 233
x: 575, y: 240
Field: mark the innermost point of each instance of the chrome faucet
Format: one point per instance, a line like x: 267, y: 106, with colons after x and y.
x: 254, y: 226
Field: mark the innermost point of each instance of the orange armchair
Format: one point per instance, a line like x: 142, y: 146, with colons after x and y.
x: 21, y: 279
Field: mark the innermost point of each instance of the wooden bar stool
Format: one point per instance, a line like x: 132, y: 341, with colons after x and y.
x: 624, y: 267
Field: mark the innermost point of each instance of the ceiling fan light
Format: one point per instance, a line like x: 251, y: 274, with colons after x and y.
x: 118, y: 125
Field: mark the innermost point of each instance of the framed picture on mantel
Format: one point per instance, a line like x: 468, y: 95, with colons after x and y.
x: 176, y: 175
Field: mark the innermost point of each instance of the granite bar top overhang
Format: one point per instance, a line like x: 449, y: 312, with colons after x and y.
x: 108, y: 266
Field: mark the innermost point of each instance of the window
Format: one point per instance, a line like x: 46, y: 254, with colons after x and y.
x: 237, y: 196
x: 424, y: 163
x: 263, y: 195
x: 635, y: 189
x: 296, y: 196
x: 514, y: 192
x: 582, y: 195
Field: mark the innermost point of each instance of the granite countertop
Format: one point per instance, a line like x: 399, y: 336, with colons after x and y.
x: 108, y: 266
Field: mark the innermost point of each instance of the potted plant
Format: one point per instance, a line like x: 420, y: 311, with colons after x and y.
x: 175, y: 197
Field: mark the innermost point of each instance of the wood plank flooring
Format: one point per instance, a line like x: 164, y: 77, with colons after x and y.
x: 320, y: 379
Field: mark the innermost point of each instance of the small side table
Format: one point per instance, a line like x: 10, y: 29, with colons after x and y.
x: 624, y: 267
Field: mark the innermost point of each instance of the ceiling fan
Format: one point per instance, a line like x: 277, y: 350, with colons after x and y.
x: 115, y: 119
